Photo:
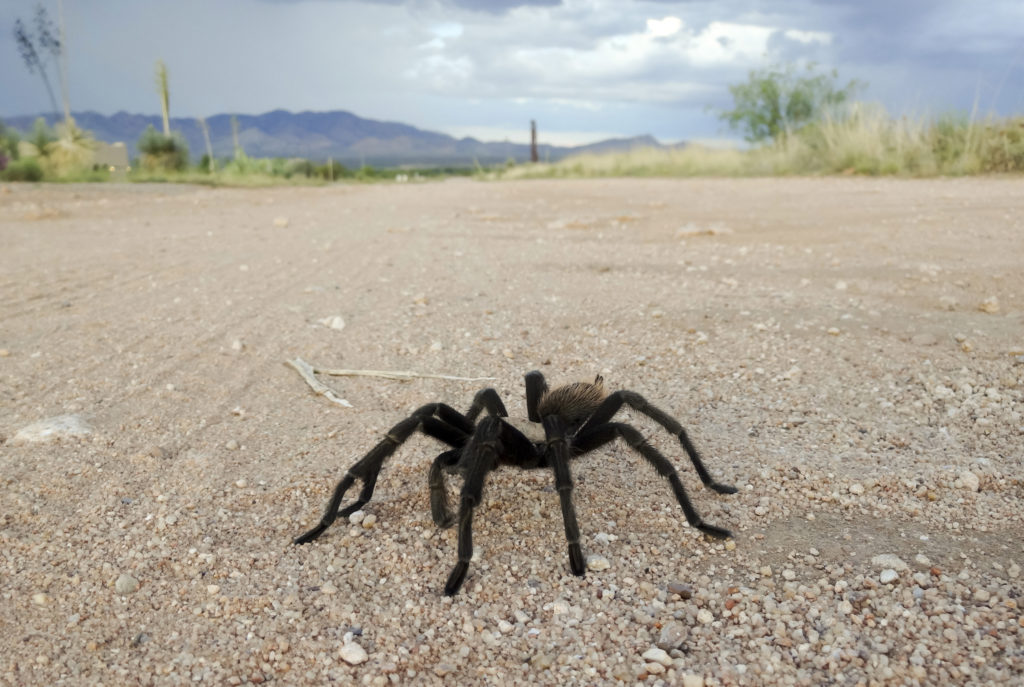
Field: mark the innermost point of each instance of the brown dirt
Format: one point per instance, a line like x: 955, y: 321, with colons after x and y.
x: 831, y: 344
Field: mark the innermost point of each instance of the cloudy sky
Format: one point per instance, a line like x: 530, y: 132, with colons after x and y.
x: 584, y: 69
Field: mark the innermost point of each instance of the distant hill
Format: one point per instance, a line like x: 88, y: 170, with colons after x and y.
x: 340, y: 135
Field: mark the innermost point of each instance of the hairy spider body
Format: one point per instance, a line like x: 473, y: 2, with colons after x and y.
x: 576, y: 419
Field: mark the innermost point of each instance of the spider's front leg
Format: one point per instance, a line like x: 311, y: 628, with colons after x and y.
x: 368, y: 468
x: 558, y: 454
x: 480, y: 457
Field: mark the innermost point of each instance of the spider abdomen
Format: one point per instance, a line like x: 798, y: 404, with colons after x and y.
x: 574, y: 403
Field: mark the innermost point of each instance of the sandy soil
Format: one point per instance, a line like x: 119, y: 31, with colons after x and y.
x: 848, y: 352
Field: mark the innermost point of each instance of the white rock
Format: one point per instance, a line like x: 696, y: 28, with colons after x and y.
x: 889, y: 560
x: 704, y: 616
x: 352, y: 653
x: 281, y: 222
x: 597, y: 562
x: 968, y: 480
x: 41, y: 599
x: 50, y: 429
x: 369, y: 521
x: 888, y: 575
x: 656, y: 655
x: 857, y: 488
x: 126, y: 584
x: 336, y: 322
x: 691, y: 680
x: 357, y: 517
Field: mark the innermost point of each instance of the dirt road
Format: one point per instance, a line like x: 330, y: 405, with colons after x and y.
x: 847, y: 352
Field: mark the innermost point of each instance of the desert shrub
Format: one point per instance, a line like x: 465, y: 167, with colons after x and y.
x: 27, y: 169
x: 160, y: 152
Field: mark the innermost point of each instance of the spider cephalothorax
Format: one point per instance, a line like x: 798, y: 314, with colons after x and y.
x: 576, y: 419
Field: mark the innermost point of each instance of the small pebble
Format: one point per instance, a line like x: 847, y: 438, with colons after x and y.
x: 369, y: 521
x: 683, y: 589
x: 888, y: 560
x: 350, y: 652
x: 126, y: 584
x: 656, y: 655
x: 597, y: 562
x: 888, y: 575
x: 691, y: 680
x: 704, y: 616
x: 232, y: 445
x: 357, y: 517
x: 41, y: 599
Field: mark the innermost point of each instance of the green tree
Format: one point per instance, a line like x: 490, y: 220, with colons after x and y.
x: 779, y: 100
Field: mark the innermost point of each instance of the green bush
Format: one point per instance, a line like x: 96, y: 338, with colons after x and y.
x: 23, y: 170
x: 160, y: 152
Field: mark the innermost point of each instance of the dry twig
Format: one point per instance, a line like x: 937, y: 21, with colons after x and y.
x: 307, y: 371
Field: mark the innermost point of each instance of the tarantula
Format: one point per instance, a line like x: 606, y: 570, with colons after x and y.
x: 576, y: 418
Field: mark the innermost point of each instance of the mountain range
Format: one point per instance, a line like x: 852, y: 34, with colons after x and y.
x: 339, y: 135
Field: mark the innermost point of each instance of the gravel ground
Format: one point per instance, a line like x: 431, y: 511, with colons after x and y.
x: 847, y: 352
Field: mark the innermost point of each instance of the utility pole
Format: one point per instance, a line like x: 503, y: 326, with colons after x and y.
x: 533, y: 141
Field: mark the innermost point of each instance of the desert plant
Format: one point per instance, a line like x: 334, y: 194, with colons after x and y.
x: 27, y: 169
x: 161, y: 152
x: 778, y: 100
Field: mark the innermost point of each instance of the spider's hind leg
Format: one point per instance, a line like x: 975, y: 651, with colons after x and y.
x: 599, y: 436
x: 614, y: 402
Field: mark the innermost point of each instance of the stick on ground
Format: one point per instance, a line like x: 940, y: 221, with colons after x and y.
x: 308, y: 373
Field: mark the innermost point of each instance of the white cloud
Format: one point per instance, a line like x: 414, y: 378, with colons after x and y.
x: 808, y: 37
x: 661, y: 28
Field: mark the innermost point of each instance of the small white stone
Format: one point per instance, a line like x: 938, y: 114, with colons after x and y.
x: 41, y: 599
x: 241, y: 483
x: 704, y: 616
x: 352, y: 653
x: 691, y: 680
x: 597, y: 562
x: 281, y: 222
x: 559, y: 607
x: 126, y: 584
x: 654, y: 668
x: 232, y: 445
x: 888, y: 560
x: 369, y: 521
x: 357, y: 517
x: 969, y: 481
x: 504, y: 626
x: 788, y: 575
x: 335, y: 322
x: 656, y: 655
x: 857, y: 488
x: 921, y: 559
x: 213, y: 589
x: 888, y: 575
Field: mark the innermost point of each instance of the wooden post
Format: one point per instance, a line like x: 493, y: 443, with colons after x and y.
x: 533, y: 141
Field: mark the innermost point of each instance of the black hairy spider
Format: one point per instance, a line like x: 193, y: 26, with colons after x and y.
x: 577, y: 419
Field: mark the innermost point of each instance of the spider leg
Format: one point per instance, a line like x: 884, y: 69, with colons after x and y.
x: 480, y: 456
x: 558, y: 450
x: 485, y: 399
x: 368, y: 468
x: 439, y: 509
x: 535, y: 388
x: 595, y: 437
x: 614, y: 402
